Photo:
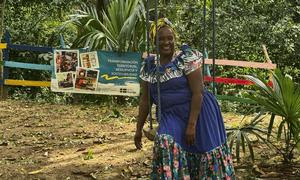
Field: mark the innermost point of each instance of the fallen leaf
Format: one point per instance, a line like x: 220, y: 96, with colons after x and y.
x: 10, y: 159
x: 93, y: 176
x: 35, y: 172
x: 257, y: 171
x: 130, y: 169
x: 147, y: 163
x: 46, y: 154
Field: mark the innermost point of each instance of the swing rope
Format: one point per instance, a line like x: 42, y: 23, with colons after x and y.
x: 148, y: 54
x: 214, y: 45
x: 204, y: 35
x: 157, y: 65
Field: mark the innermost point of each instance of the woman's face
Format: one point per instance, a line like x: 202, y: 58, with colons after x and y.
x: 166, y: 41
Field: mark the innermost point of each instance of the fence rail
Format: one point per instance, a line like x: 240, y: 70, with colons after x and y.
x: 30, y: 48
x: 14, y: 82
x: 42, y: 67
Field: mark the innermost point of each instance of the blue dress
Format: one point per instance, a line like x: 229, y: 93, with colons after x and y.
x: 209, y: 157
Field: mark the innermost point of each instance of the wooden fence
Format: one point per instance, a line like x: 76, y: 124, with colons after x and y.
x: 7, y: 63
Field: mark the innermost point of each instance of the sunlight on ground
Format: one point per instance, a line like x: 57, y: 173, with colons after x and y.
x: 47, y: 141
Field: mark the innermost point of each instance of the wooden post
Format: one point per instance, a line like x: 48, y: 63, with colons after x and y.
x: 266, y: 54
x: 268, y: 61
x: 3, y: 92
x: 4, y: 71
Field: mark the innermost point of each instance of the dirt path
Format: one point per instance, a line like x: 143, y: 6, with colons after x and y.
x: 45, y: 141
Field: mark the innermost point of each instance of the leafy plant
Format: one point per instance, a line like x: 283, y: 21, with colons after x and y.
x: 239, y: 135
x: 90, y: 155
x: 115, y: 113
x: 121, y: 27
x: 281, y: 99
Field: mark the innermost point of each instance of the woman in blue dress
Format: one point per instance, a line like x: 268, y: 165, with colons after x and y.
x: 191, y: 140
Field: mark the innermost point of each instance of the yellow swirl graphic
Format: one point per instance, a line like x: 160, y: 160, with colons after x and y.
x: 106, y: 77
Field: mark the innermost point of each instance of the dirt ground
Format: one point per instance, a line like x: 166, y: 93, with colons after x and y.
x: 48, y: 141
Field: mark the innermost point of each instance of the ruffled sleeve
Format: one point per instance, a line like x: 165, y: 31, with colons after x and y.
x: 190, y: 59
x: 147, y: 67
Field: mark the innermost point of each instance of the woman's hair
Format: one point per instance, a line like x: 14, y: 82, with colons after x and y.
x: 161, y: 23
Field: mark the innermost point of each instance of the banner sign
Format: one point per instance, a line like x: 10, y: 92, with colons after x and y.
x: 96, y: 72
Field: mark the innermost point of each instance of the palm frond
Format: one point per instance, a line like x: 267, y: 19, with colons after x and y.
x: 249, y: 144
x: 117, y: 28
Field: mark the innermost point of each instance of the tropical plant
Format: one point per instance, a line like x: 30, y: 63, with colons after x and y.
x: 239, y: 135
x: 281, y: 99
x: 121, y: 27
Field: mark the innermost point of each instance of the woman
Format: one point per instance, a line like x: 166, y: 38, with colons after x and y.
x: 191, y: 140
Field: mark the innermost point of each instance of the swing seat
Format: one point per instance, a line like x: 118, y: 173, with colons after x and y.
x: 150, y: 133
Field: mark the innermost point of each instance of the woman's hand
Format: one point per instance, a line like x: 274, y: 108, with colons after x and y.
x: 143, y: 113
x: 196, y: 86
x: 138, y: 139
x: 190, y: 135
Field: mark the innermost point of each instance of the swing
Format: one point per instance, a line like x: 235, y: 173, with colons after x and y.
x: 151, y: 132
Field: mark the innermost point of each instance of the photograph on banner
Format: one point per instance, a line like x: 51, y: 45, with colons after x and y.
x: 89, y: 60
x: 66, y: 60
x: 86, y: 79
x: 65, y: 80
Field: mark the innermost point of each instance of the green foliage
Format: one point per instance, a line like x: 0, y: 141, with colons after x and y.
x: 38, y: 22
x: 90, y: 155
x: 240, y: 134
x: 241, y: 28
x: 40, y: 94
x: 115, y: 113
x: 283, y: 99
x: 121, y: 28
